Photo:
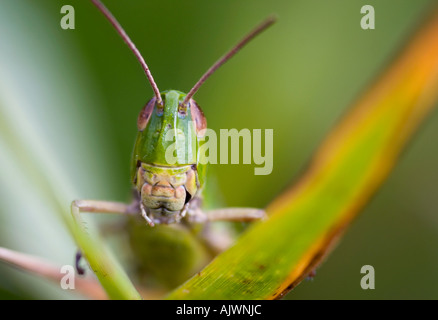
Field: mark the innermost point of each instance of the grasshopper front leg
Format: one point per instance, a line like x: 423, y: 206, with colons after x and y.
x: 235, y: 214
x: 97, y: 206
x: 228, y: 214
x: 219, y: 241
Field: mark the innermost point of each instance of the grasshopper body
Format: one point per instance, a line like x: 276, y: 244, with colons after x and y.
x: 168, y: 178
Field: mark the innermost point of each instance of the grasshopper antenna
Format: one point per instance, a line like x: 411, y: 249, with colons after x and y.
x: 131, y: 46
x: 257, y: 30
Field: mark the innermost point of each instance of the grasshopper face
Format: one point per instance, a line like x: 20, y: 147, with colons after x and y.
x: 165, y: 159
x: 165, y: 191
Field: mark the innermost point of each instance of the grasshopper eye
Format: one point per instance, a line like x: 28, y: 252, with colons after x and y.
x: 199, y: 118
x: 145, y: 114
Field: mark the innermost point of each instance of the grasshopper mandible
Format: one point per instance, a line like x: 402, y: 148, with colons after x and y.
x: 169, y: 193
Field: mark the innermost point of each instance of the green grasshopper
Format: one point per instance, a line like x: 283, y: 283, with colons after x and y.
x: 169, y: 193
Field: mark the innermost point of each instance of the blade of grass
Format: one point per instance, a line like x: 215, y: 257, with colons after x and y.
x: 306, y: 221
x: 47, y: 175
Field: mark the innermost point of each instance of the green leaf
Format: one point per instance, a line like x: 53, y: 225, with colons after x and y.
x: 306, y: 221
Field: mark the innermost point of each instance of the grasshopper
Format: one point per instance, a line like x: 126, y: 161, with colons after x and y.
x: 166, y: 193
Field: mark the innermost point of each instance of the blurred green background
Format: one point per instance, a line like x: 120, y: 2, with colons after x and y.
x: 69, y: 99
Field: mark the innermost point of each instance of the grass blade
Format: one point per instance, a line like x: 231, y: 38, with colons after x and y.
x: 306, y: 221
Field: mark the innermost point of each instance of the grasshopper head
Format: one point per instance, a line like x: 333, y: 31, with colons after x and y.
x: 169, y: 133
x: 170, y: 127
x: 165, y: 159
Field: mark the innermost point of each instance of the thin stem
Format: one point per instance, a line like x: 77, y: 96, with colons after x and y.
x: 131, y: 45
x: 87, y: 286
x: 257, y: 30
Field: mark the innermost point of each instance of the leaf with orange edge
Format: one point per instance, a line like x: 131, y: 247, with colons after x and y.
x: 305, y: 221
